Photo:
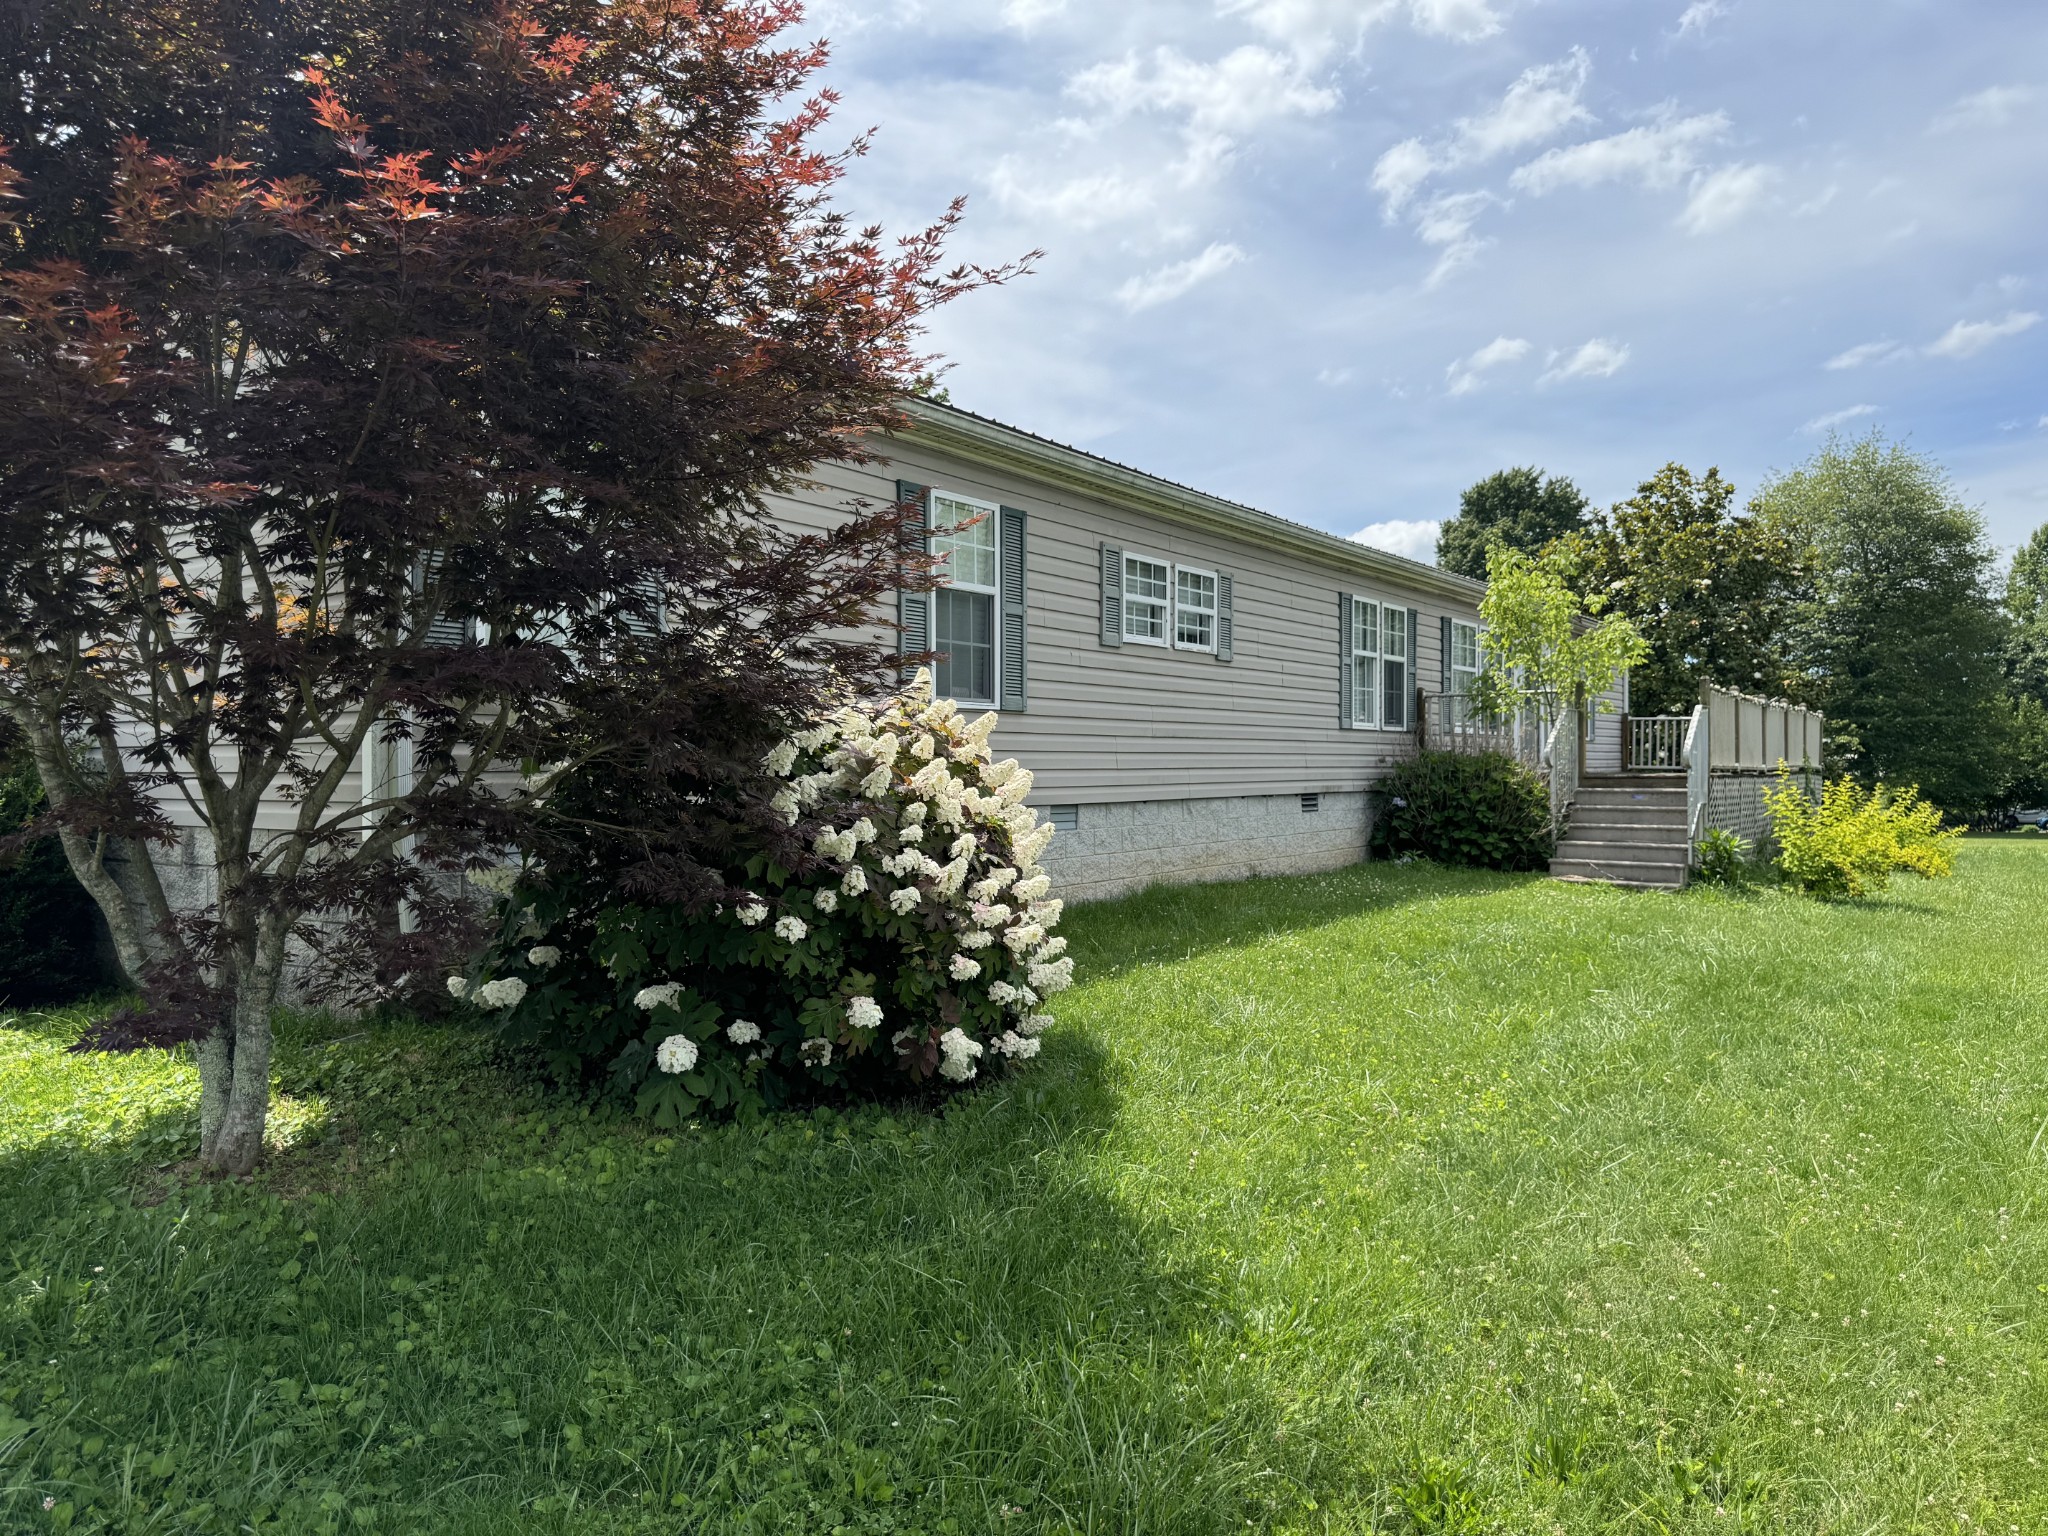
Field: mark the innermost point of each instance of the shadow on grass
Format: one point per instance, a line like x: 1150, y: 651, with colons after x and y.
x: 539, y: 1318
x: 1167, y: 924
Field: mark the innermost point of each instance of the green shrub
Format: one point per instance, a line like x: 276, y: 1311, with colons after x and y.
x: 49, y: 928
x: 906, y: 952
x: 1483, y: 809
x: 1722, y: 857
x: 1852, y: 840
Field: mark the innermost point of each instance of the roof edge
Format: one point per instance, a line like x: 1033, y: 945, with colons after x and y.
x: 992, y: 442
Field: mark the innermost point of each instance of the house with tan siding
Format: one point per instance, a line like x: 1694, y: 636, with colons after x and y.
x: 1204, y: 691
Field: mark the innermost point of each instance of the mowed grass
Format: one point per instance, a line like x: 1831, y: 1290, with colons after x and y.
x: 1400, y: 1199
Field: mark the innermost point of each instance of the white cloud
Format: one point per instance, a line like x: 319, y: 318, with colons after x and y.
x: 1966, y: 338
x: 1170, y: 282
x: 1542, y: 102
x: 1026, y: 14
x: 1868, y: 352
x: 1414, y: 538
x: 1398, y: 172
x: 1336, y: 377
x: 1466, y: 374
x: 1658, y: 154
x: 1721, y: 197
x: 1465, y: 20
x: 1839, y: 418
x: 1986, y: 109
x: 1597, y: 359
x: 1699, y: 16
x: 1081, y: 203
x: 1447, y: 222
x: 1312, y: 28
x: 1246, y: 87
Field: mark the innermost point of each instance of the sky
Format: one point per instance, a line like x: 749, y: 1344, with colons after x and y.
x: 1338, y: 259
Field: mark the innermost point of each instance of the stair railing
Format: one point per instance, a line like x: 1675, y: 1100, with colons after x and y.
x: 1699, y: 782
x: 1657, y: 741
x: 1562, y: 754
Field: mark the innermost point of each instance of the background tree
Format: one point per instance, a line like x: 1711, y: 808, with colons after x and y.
x: 1522, y: 509
x: 2026, y: 674
x: 1902, y: 635
x: 1710, y: 591
x: 388, y: 392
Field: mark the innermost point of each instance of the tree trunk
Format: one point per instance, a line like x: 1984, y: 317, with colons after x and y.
x: 234, y: 1062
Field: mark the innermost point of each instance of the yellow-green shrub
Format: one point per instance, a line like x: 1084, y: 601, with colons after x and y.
x: 1852, y: 840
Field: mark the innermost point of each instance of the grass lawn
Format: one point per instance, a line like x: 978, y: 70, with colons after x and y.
x: 1399, y: 1199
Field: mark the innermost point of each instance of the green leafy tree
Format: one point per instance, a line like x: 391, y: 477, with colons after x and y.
x: 1902, y: 634
x: 1710, y: 590
x: 1522, y: 509
x: 1538, y: 642
x: 2026, y: 605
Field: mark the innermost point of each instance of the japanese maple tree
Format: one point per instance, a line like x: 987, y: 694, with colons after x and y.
x: 387, y: 396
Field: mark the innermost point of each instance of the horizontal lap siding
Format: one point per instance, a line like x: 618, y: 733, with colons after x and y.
x: 1140, y: 722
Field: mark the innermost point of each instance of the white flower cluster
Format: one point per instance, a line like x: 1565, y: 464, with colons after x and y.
x: 505, y: 992
x: 916, y: 824
x: 678, y: 1053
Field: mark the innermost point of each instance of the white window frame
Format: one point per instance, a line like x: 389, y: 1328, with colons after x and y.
x: 1214, y: 610
x: 1463, y: 677
x: 989, y: 513
x: 1365, y: 665
x: 1165, y: 605
x: 1406, y: 661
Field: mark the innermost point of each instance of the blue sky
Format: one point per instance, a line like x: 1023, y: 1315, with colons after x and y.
x: 1339, y: 258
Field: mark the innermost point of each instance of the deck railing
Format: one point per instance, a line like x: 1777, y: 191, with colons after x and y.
x: 1657, y: 741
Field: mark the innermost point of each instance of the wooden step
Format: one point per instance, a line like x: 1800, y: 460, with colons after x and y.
x: 1657, y: 875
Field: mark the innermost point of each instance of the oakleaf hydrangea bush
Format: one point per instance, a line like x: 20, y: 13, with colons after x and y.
x: 910, y: 949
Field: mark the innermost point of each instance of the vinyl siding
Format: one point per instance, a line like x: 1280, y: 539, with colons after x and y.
x: 1140, y: 722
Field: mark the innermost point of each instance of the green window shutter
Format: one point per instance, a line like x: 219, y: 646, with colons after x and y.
x: 914, y: 609
x: 1444, y: 667
x: 1225, y: 623
x: 1010, y: 579
x: 444, y: 630
x: 1345, y: 660
x: 654, y: 603
x: 1413, y: 672
x: 1112, y: 594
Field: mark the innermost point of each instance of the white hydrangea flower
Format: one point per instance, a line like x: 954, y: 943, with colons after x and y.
x: 876, y: 784
x: 1022, y: 937
x: 921, y: 747
x: 978, y: 730
x: 816, y: 1053
x: 814, y: 738
x: 920, y: 690
x: 964, y: 968
x: 855, y: 882
x: 790, y: 929
x: 505, y: 992
x: 902, y: 1041
x: 1026, y: 999
x: 1033, y: 888
x: 742, y: 1031
x: 1035, y: 1024
x: 976, y: 938
x: 1017, y: 1047
x: 903, y: 899
x: 957, y: 1055
x: 543, y: 955
x: 1048, y: 912
x: 665, y: 994
x: 826, y: 900
x: 780, y: 759
x: 990, y: 914
x: 1015, y: 788
x: 458, y: 986
x: 1055, y: 976
x: 1001, y: 992
x: 887, y: 745
x: 751, y: 913
x: 964, y: 845
x: 1031, y: 844
x: 863, y: 1013
x: 910, y: 832
x: 995, y: 773
x: 914, y: 814
x: 678, y: 1053
x: 787, y: 804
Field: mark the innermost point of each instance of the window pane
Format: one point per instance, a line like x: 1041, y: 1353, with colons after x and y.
x: 1368, y: 627
x: 1396, y: 703
x: 1394, y: 632
x: 1365, y: 696
x: 1193, y: 627
x: 971, y: 552
x: 1465, y: 647
x: 1144, y: 579
x: 1144, y: 621
x: 1195, y: 610
x: 964, y: 628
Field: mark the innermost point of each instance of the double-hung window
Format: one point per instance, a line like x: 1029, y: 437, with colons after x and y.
x: 964, y: 607
x: 1464, y: 668
x: 1379, y: 664
x: 1148, y: 599
x: 1194, y: 609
